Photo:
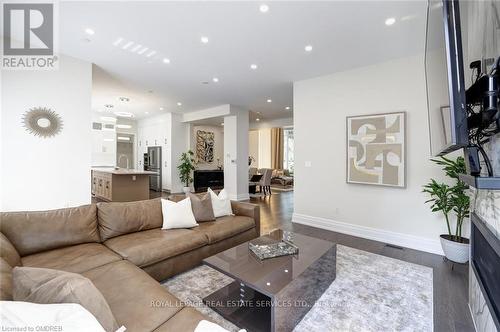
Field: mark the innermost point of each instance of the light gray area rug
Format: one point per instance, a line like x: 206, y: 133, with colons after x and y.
x: 370, y: 293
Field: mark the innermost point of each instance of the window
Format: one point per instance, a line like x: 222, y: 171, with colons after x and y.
x: 288, y: 162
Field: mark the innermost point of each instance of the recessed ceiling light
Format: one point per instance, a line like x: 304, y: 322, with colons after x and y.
x: 204, y: 39
x: 269, y: 101
x: 390, y: 21
x: 161, y: 108
x: 264, y: 8
x: 118, y: 41
x: 143, y: 50
x: 89, y: 31
x: 179, y: 104
x: 258, y: 119
x: 108, y: 119
x: 308, y: 48
x: 215, y: 79
x: 146, y: 112
x: 136, y: 48
x: 287, y: 108
x: 127, y: 45
x: 165, y: 60
x: 108, y: 105
x: 124, y: 99
x: 124, y: 114
x: 253, y: 66
x: 123, y: 126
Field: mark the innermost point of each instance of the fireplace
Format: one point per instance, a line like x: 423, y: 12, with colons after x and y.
x: 485, y: 262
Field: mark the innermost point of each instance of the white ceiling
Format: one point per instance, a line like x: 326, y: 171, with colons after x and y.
x: 344, y: 35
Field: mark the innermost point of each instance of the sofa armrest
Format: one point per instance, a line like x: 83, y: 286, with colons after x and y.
x: 9, y: 252
x: 247, y: 210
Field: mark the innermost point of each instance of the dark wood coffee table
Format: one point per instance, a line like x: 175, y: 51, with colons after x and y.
x: 272, y: 294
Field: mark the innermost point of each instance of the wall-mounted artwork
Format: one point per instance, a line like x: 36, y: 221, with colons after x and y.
x: 42, y: 122
x: 376, y: 151
x: 205, y: 146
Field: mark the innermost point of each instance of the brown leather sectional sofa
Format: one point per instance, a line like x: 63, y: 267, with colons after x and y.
x: 114, y: 244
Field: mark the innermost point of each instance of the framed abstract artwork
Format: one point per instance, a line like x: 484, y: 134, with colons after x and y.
x: 205, y: 146
x: 376, y: 149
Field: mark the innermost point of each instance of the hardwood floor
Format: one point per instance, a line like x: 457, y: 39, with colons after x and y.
x: 451, y: 311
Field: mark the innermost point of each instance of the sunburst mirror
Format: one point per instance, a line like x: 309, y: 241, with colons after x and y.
x: 42, y: 122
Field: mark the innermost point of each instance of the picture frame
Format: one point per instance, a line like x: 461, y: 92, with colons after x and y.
x: 376, y: 149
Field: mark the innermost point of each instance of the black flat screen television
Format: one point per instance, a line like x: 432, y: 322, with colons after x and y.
x: 444, y: 74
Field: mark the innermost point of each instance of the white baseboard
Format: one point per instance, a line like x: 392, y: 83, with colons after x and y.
x: 399, y: 239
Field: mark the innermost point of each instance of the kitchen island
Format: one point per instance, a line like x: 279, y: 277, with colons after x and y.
x: 120, y: 185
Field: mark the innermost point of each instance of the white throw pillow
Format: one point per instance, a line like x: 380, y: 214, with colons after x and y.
x: 65, y: 316
x: 221, y: 204
x: 206, y: 326
x: 177, y: 215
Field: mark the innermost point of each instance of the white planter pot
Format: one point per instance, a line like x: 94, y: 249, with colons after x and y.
x: 455, y: 251
x: 186, y: 190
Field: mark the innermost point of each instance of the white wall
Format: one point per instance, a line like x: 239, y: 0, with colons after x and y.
x: 218, y: 145
x: 132, y: 131
x: 236, y: 154
x: 207, y: 113
x: 265, y: 148
x: 253, y: 147
x: 177, y: 144
x: 48, y: 173
x: 103, y: 142
x: 322, y: 196
x: 281, y: 122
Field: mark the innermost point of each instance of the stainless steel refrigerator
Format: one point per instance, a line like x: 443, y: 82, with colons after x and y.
x: 152, y: 163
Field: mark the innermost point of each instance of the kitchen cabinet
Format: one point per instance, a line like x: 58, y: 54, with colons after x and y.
x: 122, y: 185
x: 155, y: 134
x: 102, y: 185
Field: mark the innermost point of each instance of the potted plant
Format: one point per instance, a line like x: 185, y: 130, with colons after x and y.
x: 185, y: 168
x: 449, y: 199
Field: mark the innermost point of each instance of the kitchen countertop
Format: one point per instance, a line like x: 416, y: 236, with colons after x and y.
x: 122, y: 171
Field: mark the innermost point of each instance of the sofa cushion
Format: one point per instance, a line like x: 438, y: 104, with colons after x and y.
x: 137, y: 301
x: 8, y: 252
x: 75, y: 259
x: 221, y: 203
x: 202, y: 207
x: 185, y: 320
x: 48, y: 286
x: 177, y: 214
x: 152, y: 246
x: 5, y: 280
x: 32, y: 232
x: 224, y: 227
x: 116, y: 219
